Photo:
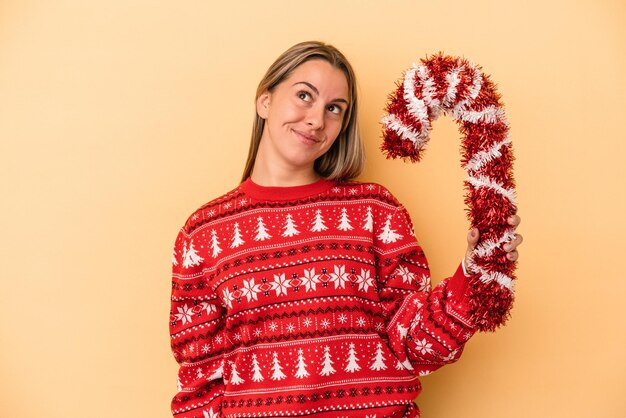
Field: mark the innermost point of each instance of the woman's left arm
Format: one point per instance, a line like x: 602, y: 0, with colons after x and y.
x: 427, y: 328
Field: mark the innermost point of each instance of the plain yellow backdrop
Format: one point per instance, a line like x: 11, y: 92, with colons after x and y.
x: 119, y: 118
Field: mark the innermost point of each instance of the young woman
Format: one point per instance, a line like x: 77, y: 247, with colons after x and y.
x: 303, y: 292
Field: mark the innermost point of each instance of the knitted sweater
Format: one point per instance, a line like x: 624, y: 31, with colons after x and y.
x: 308, y: 300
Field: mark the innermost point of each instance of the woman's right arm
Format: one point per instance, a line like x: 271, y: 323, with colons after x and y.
x: 196, y: 331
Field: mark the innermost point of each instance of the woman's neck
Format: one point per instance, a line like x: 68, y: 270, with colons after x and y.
x: 275, y: 177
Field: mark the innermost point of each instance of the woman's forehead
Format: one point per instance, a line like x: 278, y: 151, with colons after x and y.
x: 321, y: 76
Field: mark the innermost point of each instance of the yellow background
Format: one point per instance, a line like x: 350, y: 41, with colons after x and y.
x: 119, y: 118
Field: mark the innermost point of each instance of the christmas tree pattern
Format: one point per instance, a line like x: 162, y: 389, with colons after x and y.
x: 235, y: 379
x: 276, y: 368
x: 190, y: 256
x: 318, y: 224
x: 344, y: 222
x: 388, y: 235
x: 256, y: 369
x: 290, y: 227
x: 215, y: 244
x: 327, y: 364
x: 199, y: 373
x: 368, y: 224
x: 379, y: 359
x: 353, y: 365
x: 218, y: 373
x: 261, y: 230
x: 210, y: 413
x: 174, y: 261
x: 301, y: 372
x: 237, y: 240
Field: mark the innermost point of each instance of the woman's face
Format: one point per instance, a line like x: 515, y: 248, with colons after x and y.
x: 303, y: 115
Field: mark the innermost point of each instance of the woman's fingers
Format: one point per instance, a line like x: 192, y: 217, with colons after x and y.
x: 514, y: 220
x: 513, y: 255
x: 472, y: 238
x: 512, y: 245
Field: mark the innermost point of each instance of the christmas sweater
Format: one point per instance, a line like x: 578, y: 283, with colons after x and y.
x: 308, y: 300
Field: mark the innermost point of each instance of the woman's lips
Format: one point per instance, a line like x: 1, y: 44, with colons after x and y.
x: 307, y: 137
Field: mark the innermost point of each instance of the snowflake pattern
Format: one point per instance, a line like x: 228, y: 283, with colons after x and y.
x: 450, y: 357
x: 280, y: 284
x: 423, y: 346
x: 310, y: 279
x: 424, y: 282
x: 250, y: 289
x: 227, y: 297
x: 184, y: 314
x: 406, y: 275
x: 208, y: 307
x: 340, y: 277
x: 364, y: 280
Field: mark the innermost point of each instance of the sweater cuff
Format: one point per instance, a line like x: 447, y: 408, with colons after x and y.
x: 464, y: 268
x: 458, y: 292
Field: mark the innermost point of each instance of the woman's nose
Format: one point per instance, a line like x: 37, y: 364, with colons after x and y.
x: 315, y: 117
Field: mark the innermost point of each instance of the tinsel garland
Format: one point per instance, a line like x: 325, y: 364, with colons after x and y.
x: 445, y: 84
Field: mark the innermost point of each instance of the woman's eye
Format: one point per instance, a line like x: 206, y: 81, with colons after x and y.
x: 304, y: 95
x: 335, y: 109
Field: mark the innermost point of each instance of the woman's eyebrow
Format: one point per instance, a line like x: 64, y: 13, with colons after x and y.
x: 316, y: 91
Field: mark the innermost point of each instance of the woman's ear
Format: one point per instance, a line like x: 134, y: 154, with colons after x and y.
x: 263, y: 104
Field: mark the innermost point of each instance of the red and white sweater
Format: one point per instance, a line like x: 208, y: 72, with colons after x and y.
x: 308, y: 300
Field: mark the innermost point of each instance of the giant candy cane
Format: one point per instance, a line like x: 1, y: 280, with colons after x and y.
x: 444, y: 84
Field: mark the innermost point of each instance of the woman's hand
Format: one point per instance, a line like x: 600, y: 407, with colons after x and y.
x: 510, y: 247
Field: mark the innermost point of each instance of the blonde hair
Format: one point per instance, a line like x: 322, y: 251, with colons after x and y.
x: 345, y: 159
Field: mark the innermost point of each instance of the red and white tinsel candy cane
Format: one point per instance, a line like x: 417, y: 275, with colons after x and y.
x: 444, y: 84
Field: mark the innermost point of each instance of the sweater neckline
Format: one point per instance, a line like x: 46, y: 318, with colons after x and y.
x: 275, y: 193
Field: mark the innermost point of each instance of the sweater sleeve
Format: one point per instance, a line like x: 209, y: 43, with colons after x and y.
x: 427, y: 327
x: 196, y: 332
